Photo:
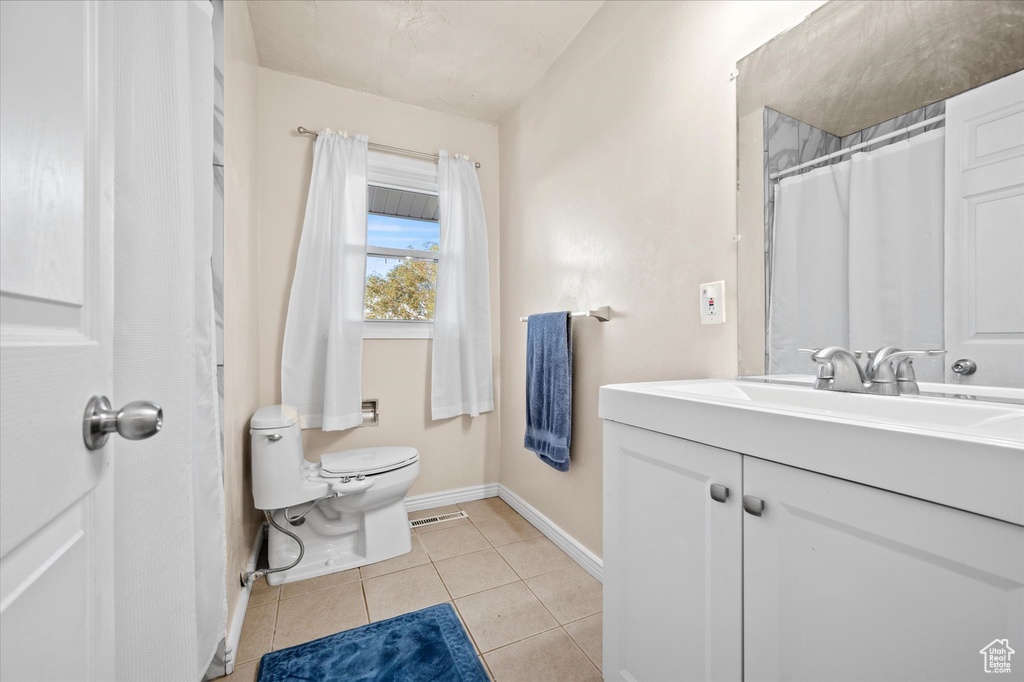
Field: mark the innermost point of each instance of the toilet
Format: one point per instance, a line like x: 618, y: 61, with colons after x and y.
x: 346, y: 510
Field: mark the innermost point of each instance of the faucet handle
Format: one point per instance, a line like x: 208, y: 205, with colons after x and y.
x: 906, y: 379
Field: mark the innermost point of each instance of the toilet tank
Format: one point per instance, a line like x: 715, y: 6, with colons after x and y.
x: 278, y: 467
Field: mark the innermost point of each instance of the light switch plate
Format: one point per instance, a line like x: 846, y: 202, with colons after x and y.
x: 712, y: 302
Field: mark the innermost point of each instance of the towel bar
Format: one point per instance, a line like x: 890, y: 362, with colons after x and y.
x: 601, y: 314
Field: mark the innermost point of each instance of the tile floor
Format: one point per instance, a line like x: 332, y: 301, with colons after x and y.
x: 532, y: 613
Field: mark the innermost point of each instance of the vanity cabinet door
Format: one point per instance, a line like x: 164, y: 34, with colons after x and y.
x: 847, y: 582
x: 672, y: 562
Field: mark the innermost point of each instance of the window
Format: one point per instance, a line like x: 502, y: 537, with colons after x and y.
x: 402, y: 239
x: 401, y: 263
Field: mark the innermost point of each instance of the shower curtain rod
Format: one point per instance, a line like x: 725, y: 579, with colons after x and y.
x: 384, y: 147
x: 841, y: 152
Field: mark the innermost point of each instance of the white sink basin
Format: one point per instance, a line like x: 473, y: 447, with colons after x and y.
x: 963, y: 453
x: 953, y: 416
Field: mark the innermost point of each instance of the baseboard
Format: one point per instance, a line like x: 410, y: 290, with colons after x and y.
x: 235, y: 629
x: 468, y: 494
x: 567, y: 543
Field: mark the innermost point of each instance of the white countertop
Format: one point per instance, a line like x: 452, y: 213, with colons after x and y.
x: 967, y: 454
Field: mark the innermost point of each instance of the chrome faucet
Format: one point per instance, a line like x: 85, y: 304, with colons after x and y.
x: 889, y: 370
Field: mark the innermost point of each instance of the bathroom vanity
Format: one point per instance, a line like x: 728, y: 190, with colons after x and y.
x: 767, y: 532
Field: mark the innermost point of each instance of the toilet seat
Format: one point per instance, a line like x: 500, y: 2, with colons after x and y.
x: 366, y: 461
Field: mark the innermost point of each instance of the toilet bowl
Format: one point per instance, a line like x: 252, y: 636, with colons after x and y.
x: 346, y: 510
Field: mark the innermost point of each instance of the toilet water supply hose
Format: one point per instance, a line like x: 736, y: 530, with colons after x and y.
x: 249, y: 576
x: 347, y: 485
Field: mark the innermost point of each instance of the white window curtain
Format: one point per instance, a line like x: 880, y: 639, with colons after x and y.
x: 858, y: 256
x: 169, y: 553
x: 461, y: 381
x: 321, y: 366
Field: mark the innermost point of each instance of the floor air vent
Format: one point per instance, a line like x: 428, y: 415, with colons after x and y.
x: 438, y: 519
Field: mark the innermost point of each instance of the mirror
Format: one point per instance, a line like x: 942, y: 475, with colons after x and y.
x: 881, y: 188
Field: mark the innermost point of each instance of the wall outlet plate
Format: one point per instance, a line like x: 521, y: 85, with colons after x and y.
x: 712, y: 302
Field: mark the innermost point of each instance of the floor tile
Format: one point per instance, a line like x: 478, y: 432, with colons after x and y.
x: 318, y: 614
x: 587, y: 634
x: 257, y: 632
x: 450, y: 542
x: 548, y: 656
x: 534, y: 557
x: 319, y: 583
x: 474, y: 572
x: 480, y: 510
x: 262, y: 593
x: 503, y: 615
x: 245, y: 672
x: 409, y: 590
x: 503, y: 530
x: 569, y: 594
x: 416, y: 557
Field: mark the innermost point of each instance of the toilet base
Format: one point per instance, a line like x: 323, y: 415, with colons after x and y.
x: 338, y: 544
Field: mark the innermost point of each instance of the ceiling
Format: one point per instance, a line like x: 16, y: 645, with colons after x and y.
x: 471, y: 59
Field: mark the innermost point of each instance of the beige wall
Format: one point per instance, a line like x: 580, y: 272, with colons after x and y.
x: 618, y: 187
x: 455, y: 452
x: 241, y: 275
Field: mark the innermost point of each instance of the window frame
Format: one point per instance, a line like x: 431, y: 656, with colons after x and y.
x: 411, y: 175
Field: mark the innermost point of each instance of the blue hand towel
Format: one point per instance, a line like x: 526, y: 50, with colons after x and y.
x: 549, y: 388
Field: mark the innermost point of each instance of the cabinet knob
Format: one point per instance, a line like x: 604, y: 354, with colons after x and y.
x: 753, y: 505
x: 719, y: 493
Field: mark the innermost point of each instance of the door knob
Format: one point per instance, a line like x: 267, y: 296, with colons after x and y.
x: 135, y: 421
x: 965, y: 367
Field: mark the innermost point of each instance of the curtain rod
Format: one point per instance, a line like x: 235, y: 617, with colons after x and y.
x: 384, y: 147
x: 841, y: 152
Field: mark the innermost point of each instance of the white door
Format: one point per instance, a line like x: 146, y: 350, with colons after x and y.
x: 985, y: 234
x: 56, y: 321
x: 847, y: 582
x: 672, y: 562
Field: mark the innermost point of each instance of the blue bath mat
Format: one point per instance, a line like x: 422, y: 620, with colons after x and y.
x: 422, y: 646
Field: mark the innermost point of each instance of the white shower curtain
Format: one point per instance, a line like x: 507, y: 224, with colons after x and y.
x: 321, y: 365
x: 857, y: 256
x: 461, y: 381
x: 169, y: 553
x: 810, y: 279
x: 896, y: 249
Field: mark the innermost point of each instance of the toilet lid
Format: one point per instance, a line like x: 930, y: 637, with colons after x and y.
x: 366, y: 460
